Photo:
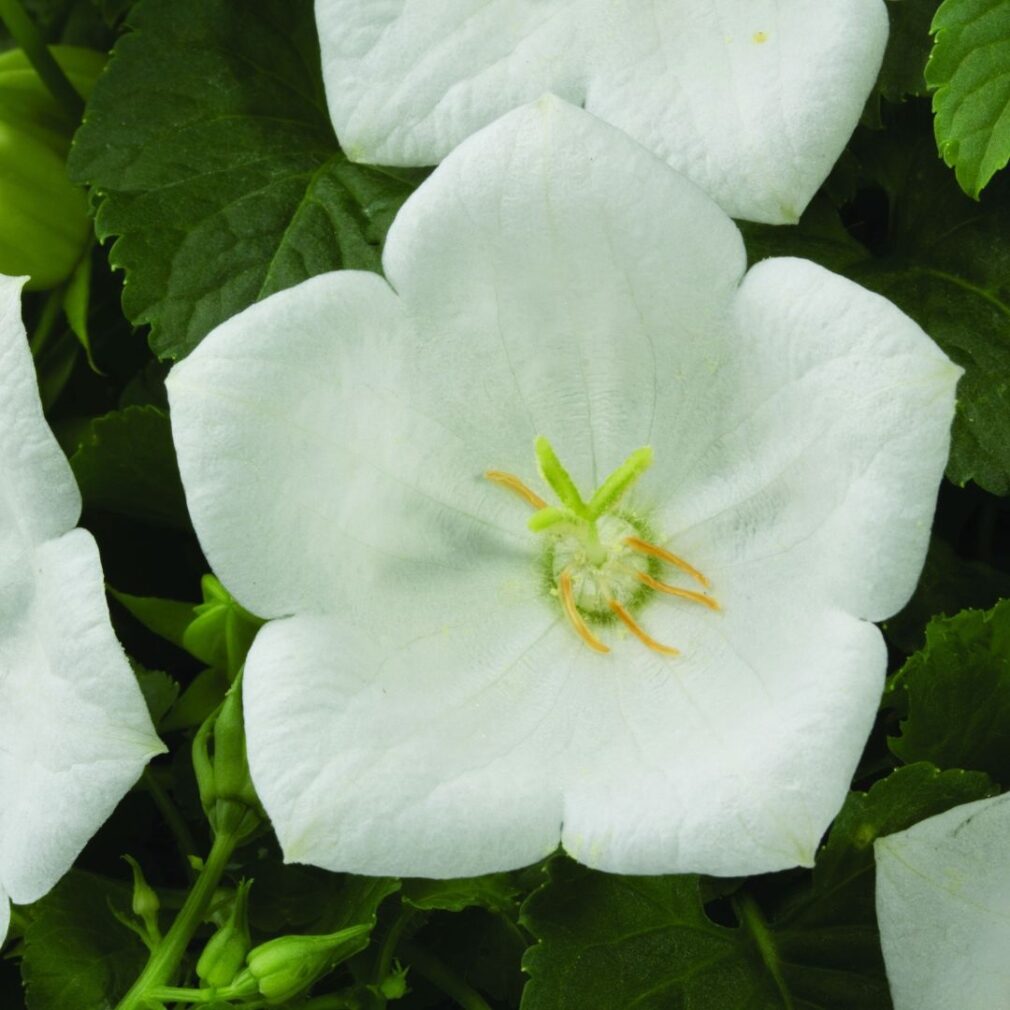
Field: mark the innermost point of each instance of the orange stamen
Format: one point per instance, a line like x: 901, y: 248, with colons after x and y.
x: 513, y: 483
x: 639, y: 633
x: 686, y: 594
x: 644, y: 547
x: 568, y: 602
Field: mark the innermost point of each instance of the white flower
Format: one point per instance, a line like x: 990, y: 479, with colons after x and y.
x: 751, y: 99
x: 74, y: 729
x: 421, y: 703
x: 943, y: 904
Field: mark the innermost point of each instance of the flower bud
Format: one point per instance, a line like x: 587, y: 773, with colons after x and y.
x: 287, y: 966
x: 145, y: 901
x: 224, y: 955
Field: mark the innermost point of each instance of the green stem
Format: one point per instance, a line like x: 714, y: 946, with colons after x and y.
x: 28, y: 38
x: 183, y: 836
x: 47, y: 320
x: 165, y: 958
x: 384, y: 962
x: 442, y: 977
x: 754, y: 921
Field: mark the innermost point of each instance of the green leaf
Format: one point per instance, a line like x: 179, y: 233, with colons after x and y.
x: 77, y: 954
x: 209, y: 149
x: 944, y: 263
x: 126, y: 464
x: 969, y: 70
x: 609, y: 941
x: 495, y: 891
x: 158, y: 688
x: 955, y: 694
x: 826, y: 935
x: 908, y: 47
x: 948, y: 584
x: 168, y: 619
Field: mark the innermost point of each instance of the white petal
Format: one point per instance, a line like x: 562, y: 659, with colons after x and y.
x: 732, y: 758
x: 427, y: 755
x: 75, y: 729
x: 752, y: 99
x: 943, y: 895
x: 544, y: 273
x: 37, y: 481
x: 810, y: 459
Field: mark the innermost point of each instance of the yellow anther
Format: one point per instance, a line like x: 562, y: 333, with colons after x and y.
x: 644, y: 547
x: 639, y: 633
x: 687, y: 594
x: 572, y: 612
x: 513, y: 483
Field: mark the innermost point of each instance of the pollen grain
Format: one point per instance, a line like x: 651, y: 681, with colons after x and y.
x: 513, y: 483
x: 636, y: 629
x: 572, y: 612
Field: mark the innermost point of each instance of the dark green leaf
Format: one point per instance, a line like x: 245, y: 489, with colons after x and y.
x: 208, y: 146
x: 969, y: 68
x: 159, y: 689
x: 126, y: 464
x: 945, y: 262
x: 609, y: 941
x: 495, y: 892
x: 948, y: 584
x: 908, y: 46
x: 955, y: 694
x: 826, y: 937
x: 77, y: 955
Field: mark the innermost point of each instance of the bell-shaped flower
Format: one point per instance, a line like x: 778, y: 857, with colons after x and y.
x: 486, y: 502
x: 754, y: 100
x: 74, y: 728
x: 943, y: 905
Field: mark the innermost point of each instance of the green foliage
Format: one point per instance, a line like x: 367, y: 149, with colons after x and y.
x: 968, y: 69
x: 77, y: 953
x: 955, y: 694
x: 940, y: 260
x: 125, y: 464
x: 495, y: 892
x: 210, y: 155
x: 826, y: 933
x: 610, y: 941
x: 908, y: 45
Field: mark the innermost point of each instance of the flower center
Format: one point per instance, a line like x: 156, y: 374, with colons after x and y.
x: 599, y: 560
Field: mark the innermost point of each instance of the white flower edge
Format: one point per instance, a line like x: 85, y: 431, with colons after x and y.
x: 943, y: 906
x: 75, y: 727
x: 417, y: 706
x: 754, y: 100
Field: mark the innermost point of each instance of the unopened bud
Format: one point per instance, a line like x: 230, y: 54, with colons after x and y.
x: 287, y: 966
x: 223, y: 957
x: 145, y: 901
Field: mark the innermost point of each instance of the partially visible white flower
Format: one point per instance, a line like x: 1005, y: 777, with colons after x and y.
x: 74, y: 729
x: 754, y: 100
x: 943, y: 905
x: 444, y: 691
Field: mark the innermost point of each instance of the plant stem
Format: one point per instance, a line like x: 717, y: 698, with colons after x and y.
x: 753, y: 921
x: 166, y: 956
x: 384, y: 962
x: 442, y: 977
x: 28, y: 38
x: 180, y: 830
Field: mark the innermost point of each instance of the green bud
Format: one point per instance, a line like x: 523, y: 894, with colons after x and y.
x: 145, y: 901
x: 394, y: 985
x: 287, y: 966
x: 224, y: 955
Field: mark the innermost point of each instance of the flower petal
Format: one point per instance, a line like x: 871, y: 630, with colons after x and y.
x: 943, y: 894
x: 76, y: 732
x: 817, y: 463
x: 553, y: 266
x: 752, y: 99
x: 378, y: 751
x: 335, y: 429
x: 38, y: 483
x: 731, y: 758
